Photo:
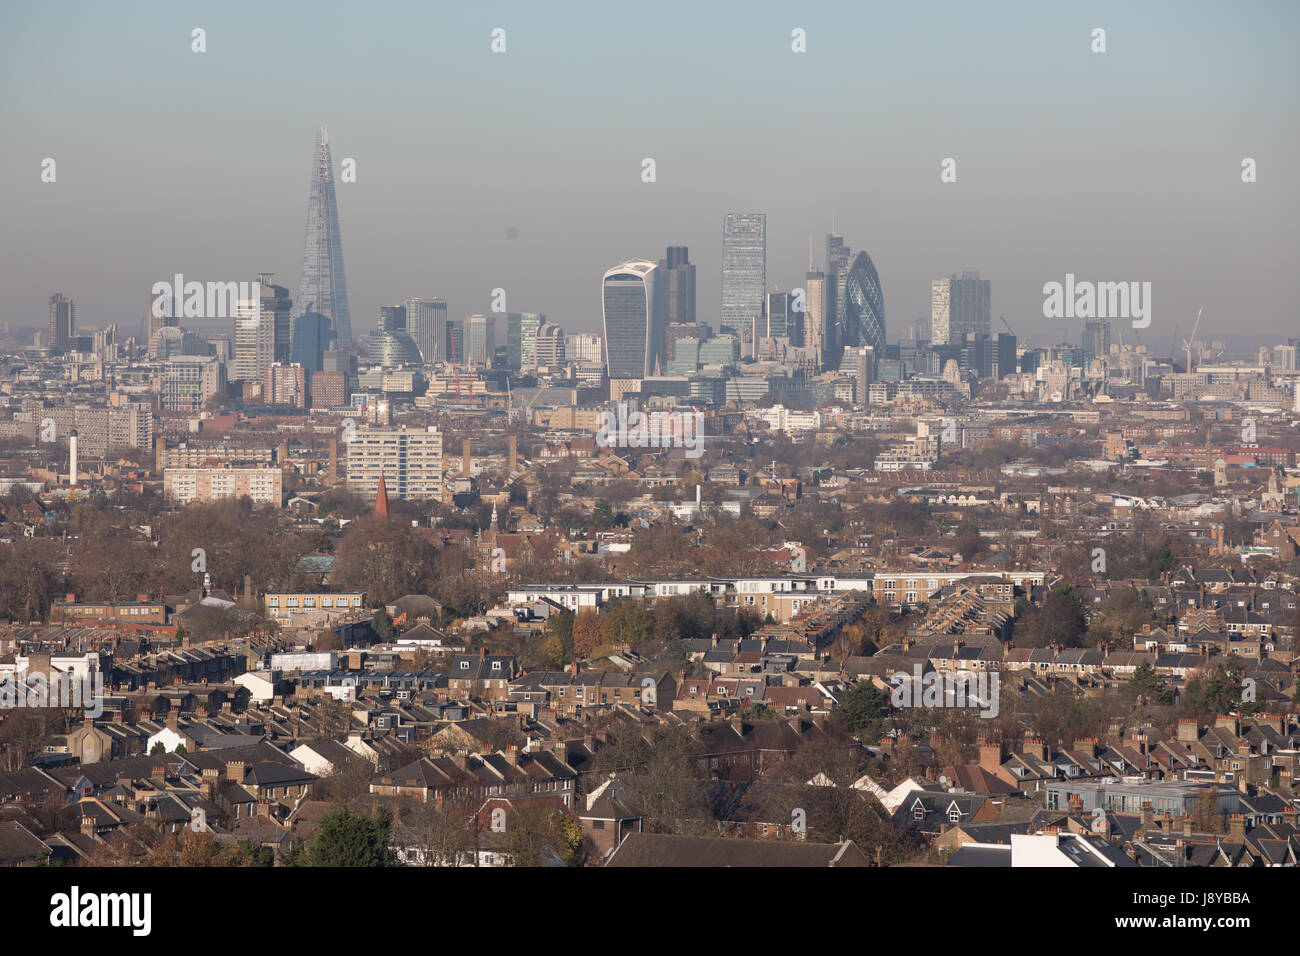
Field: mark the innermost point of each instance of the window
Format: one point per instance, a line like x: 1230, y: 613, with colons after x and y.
x: 464, y: 665
x: 954, y: 815
x: 918, y: 811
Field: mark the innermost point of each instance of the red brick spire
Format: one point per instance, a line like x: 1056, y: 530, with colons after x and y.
x: 381, y: 500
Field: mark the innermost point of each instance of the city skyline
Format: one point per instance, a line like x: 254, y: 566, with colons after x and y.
x: 1022, y: 210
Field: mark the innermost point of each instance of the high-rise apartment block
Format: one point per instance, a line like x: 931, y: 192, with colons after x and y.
x: 285, y: 385
x: 265, y: 486
x: 410, y: 461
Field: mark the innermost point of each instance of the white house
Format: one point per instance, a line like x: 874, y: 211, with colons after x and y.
x: 260, y: 684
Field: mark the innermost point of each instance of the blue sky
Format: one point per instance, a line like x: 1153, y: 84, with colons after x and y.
x: 1116, y: 166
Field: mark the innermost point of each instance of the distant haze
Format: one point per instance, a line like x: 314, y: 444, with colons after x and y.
x: 522, y: 170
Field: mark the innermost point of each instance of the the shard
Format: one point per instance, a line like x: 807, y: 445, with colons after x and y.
x: 322, y: 287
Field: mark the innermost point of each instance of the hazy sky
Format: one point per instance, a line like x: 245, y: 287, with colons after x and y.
x: 1123, y: 165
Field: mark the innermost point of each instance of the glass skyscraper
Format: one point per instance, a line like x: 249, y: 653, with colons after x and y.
x: 322, y: 287
x: 426, y: 324
x: 959, y: 307
x: 744, y: 269
x: 312, y: 337
x: 633, y: 319
x: 677, y: 278
x: 778, y: 315
x: 862, y: 309
x: 480, y: 340
x: 521, y: 336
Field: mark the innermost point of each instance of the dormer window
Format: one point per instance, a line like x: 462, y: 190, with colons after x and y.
x: 464, y: 665
x: 954, y: 815
x: 918, y: 811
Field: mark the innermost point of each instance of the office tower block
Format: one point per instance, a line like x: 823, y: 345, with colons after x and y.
x: 426, y: 324
x: 549, y: 350
x: 521, y: 335
x: 814, y: 322
x: 959, y: 306
x: 859, y: 362
x: 455, y: 344
x: 1006, y: 354
x: 63, y: 322
x: 744, y: 269
x: 322, y: 287
x: 254, y: 340
x: 189, y: 381
x: 393, y: 348
x: 837, y: 273
x: 392, y: 318
x: 1096, y: 337
x: 155, y: 323
x: 278, y: 308
x: 633, y: 319
x: 586, y: 348
x: 862, y: 307
x: 480, y: 340
x: 778, y: 315
x: 678, y: 280
x: 983, y: 355
x: 313, y: 335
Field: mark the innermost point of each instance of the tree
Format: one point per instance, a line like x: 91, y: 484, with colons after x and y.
x: 382, y: 623
x: 344, y: 838
x: 1215, y: 690
x: 626, y: 622
x: 586, y: 632
x: 333, y: 718
x: 553, y: 652
x: 1146, y: 682
x: 1159, y: 560
x: 560, y: 626
x: 864, y: 708
x: 969, y: 542
x: 1122, y: 615
x: 1058, y: 621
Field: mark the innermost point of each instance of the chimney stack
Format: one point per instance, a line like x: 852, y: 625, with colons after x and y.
x: 1237, y: 828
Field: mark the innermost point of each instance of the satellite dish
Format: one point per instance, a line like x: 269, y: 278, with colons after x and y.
x: 943, y: 780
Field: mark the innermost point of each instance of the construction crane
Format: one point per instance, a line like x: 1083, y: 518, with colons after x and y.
x: 1187, y: 343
